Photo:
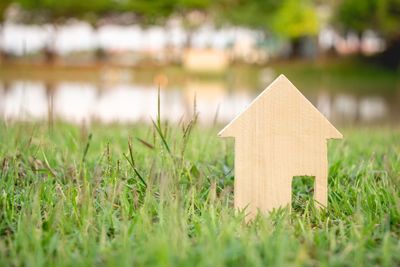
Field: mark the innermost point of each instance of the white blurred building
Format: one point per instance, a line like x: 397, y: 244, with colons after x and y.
x: 160, y: 43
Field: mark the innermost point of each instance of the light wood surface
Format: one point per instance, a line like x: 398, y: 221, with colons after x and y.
x: 279, y: 136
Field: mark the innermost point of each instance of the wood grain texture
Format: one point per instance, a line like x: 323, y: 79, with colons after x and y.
x: 279, y: 136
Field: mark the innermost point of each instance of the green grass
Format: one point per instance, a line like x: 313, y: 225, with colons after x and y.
x: 162, y: 195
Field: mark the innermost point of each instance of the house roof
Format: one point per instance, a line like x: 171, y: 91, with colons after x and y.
x: 283, y: 102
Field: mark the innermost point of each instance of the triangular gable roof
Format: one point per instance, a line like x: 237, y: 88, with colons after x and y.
x: 228, y: 130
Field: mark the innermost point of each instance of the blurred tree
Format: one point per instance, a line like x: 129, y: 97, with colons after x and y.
x: 355, y: 15
x: 383, y: 16
x: 55, y: 12
x: 380, y: 15
x: 59, y: 11
x: 148, y: 12
x: 297, y: 21
x: 256, y: 14
x: 4, y: 4
x: 289, y: 19
x: 193, y: 13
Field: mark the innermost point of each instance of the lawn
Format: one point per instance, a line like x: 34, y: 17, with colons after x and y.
x: 161, y: 195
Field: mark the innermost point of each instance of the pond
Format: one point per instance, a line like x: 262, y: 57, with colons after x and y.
x: 123, y: 95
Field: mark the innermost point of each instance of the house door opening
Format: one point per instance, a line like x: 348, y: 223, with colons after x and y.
x: 302, y: 193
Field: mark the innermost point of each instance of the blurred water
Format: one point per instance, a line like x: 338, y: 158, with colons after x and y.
x: 128, y: 102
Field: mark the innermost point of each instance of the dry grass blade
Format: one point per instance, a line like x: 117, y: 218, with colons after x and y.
x: 145, y: 143
x: 85, y: 151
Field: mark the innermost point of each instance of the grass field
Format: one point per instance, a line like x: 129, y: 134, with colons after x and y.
x: 162, y: 195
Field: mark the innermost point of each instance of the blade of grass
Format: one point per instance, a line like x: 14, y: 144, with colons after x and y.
x: 160, y: 133
x: 157, y: 125
x: 85, y: 151
x: 146, y: 144
x: 132, y: 163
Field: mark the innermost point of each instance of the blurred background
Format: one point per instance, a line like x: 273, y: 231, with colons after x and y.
x: 86, y: 61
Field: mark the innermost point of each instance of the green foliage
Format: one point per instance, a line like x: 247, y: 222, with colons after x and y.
x: 54, y: 10
x: 356, y: 14
x: 157, y: 11
x: 4, y: 4
x: 287, y: 18
x: 120, y: 198
x: 146, y: 12
x: 295, y: 19
x: 149, y: 12
x: 188, y: 5
x: 380, y: 15
x: 254, y: 13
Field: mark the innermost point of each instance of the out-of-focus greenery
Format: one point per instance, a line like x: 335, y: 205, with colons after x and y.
x: 287, y: 18
x: 3, y: 7
x: 291, y: 20
x: 144, y: 11
x: 295, y: 19
x: 42, y: 11
x: 382, y: 16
